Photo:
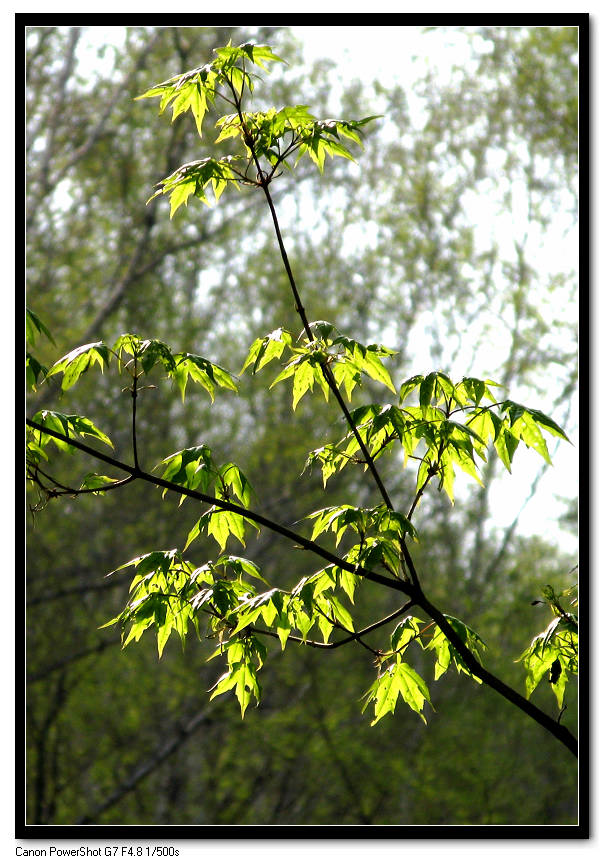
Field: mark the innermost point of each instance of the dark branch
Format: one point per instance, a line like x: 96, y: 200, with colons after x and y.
x: 299, y: 540
x: 415, y: 594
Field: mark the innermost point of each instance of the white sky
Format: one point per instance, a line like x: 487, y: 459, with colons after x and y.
x: 401, y: 54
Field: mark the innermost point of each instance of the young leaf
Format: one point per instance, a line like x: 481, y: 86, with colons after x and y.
x: 69, y: 425
x: 506, y: 445
x: 93, y: 481
x: 222, y: 524
x: 265, y: 349
x: 375, y: 369
x: 244, y: 657
x: 445, y: 651
x: 257, y: 54
x: 194, y: 177
x: 189, y: 91
x: 33, y: 371
x: 75, y: 363
x: 555, y: 652
x: 34, y: 326
x: 412, y: 688
x: 191, y: 468
x: 398, y: 680
x: 152, y: 351
x: 304, y: 380
x: 392, y: 523
x: 409, y: 386
x: 547, y: 423
x: 232, y: 476
x: 405, y: 632
x: 209, y: 375
x: 425, y: 392
x: 238, y: 565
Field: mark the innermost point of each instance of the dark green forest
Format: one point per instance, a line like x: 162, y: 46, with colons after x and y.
x: 392, y: 251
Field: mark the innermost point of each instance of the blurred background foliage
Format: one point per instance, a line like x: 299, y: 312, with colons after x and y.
x: 399, y: 248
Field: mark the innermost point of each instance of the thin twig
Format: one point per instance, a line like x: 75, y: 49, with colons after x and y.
x: 315, y: 644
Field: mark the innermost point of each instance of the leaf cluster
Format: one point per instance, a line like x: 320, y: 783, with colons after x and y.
x: 268, y: 140
x: 555, y: 650
x: 194, y: 468
x: 138, y: 356
x: 347, y: 359
x: 193, y: 90
x: 34, y: 327
x: 429, y: 433
x: 400, y: 679
x: 169, y: 594
x: 381, y: 533
x: 135, y: 357
x: 69, y: 425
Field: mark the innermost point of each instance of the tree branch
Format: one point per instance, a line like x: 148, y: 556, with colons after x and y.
x: 264, y: 181
x: 557, y: 730
x: 415, y: 593
x: 299, y: 540
x: 70, y: 659
x: 152, y: 763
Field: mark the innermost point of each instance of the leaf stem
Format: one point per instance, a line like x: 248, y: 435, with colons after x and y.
x: 134, y: 395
